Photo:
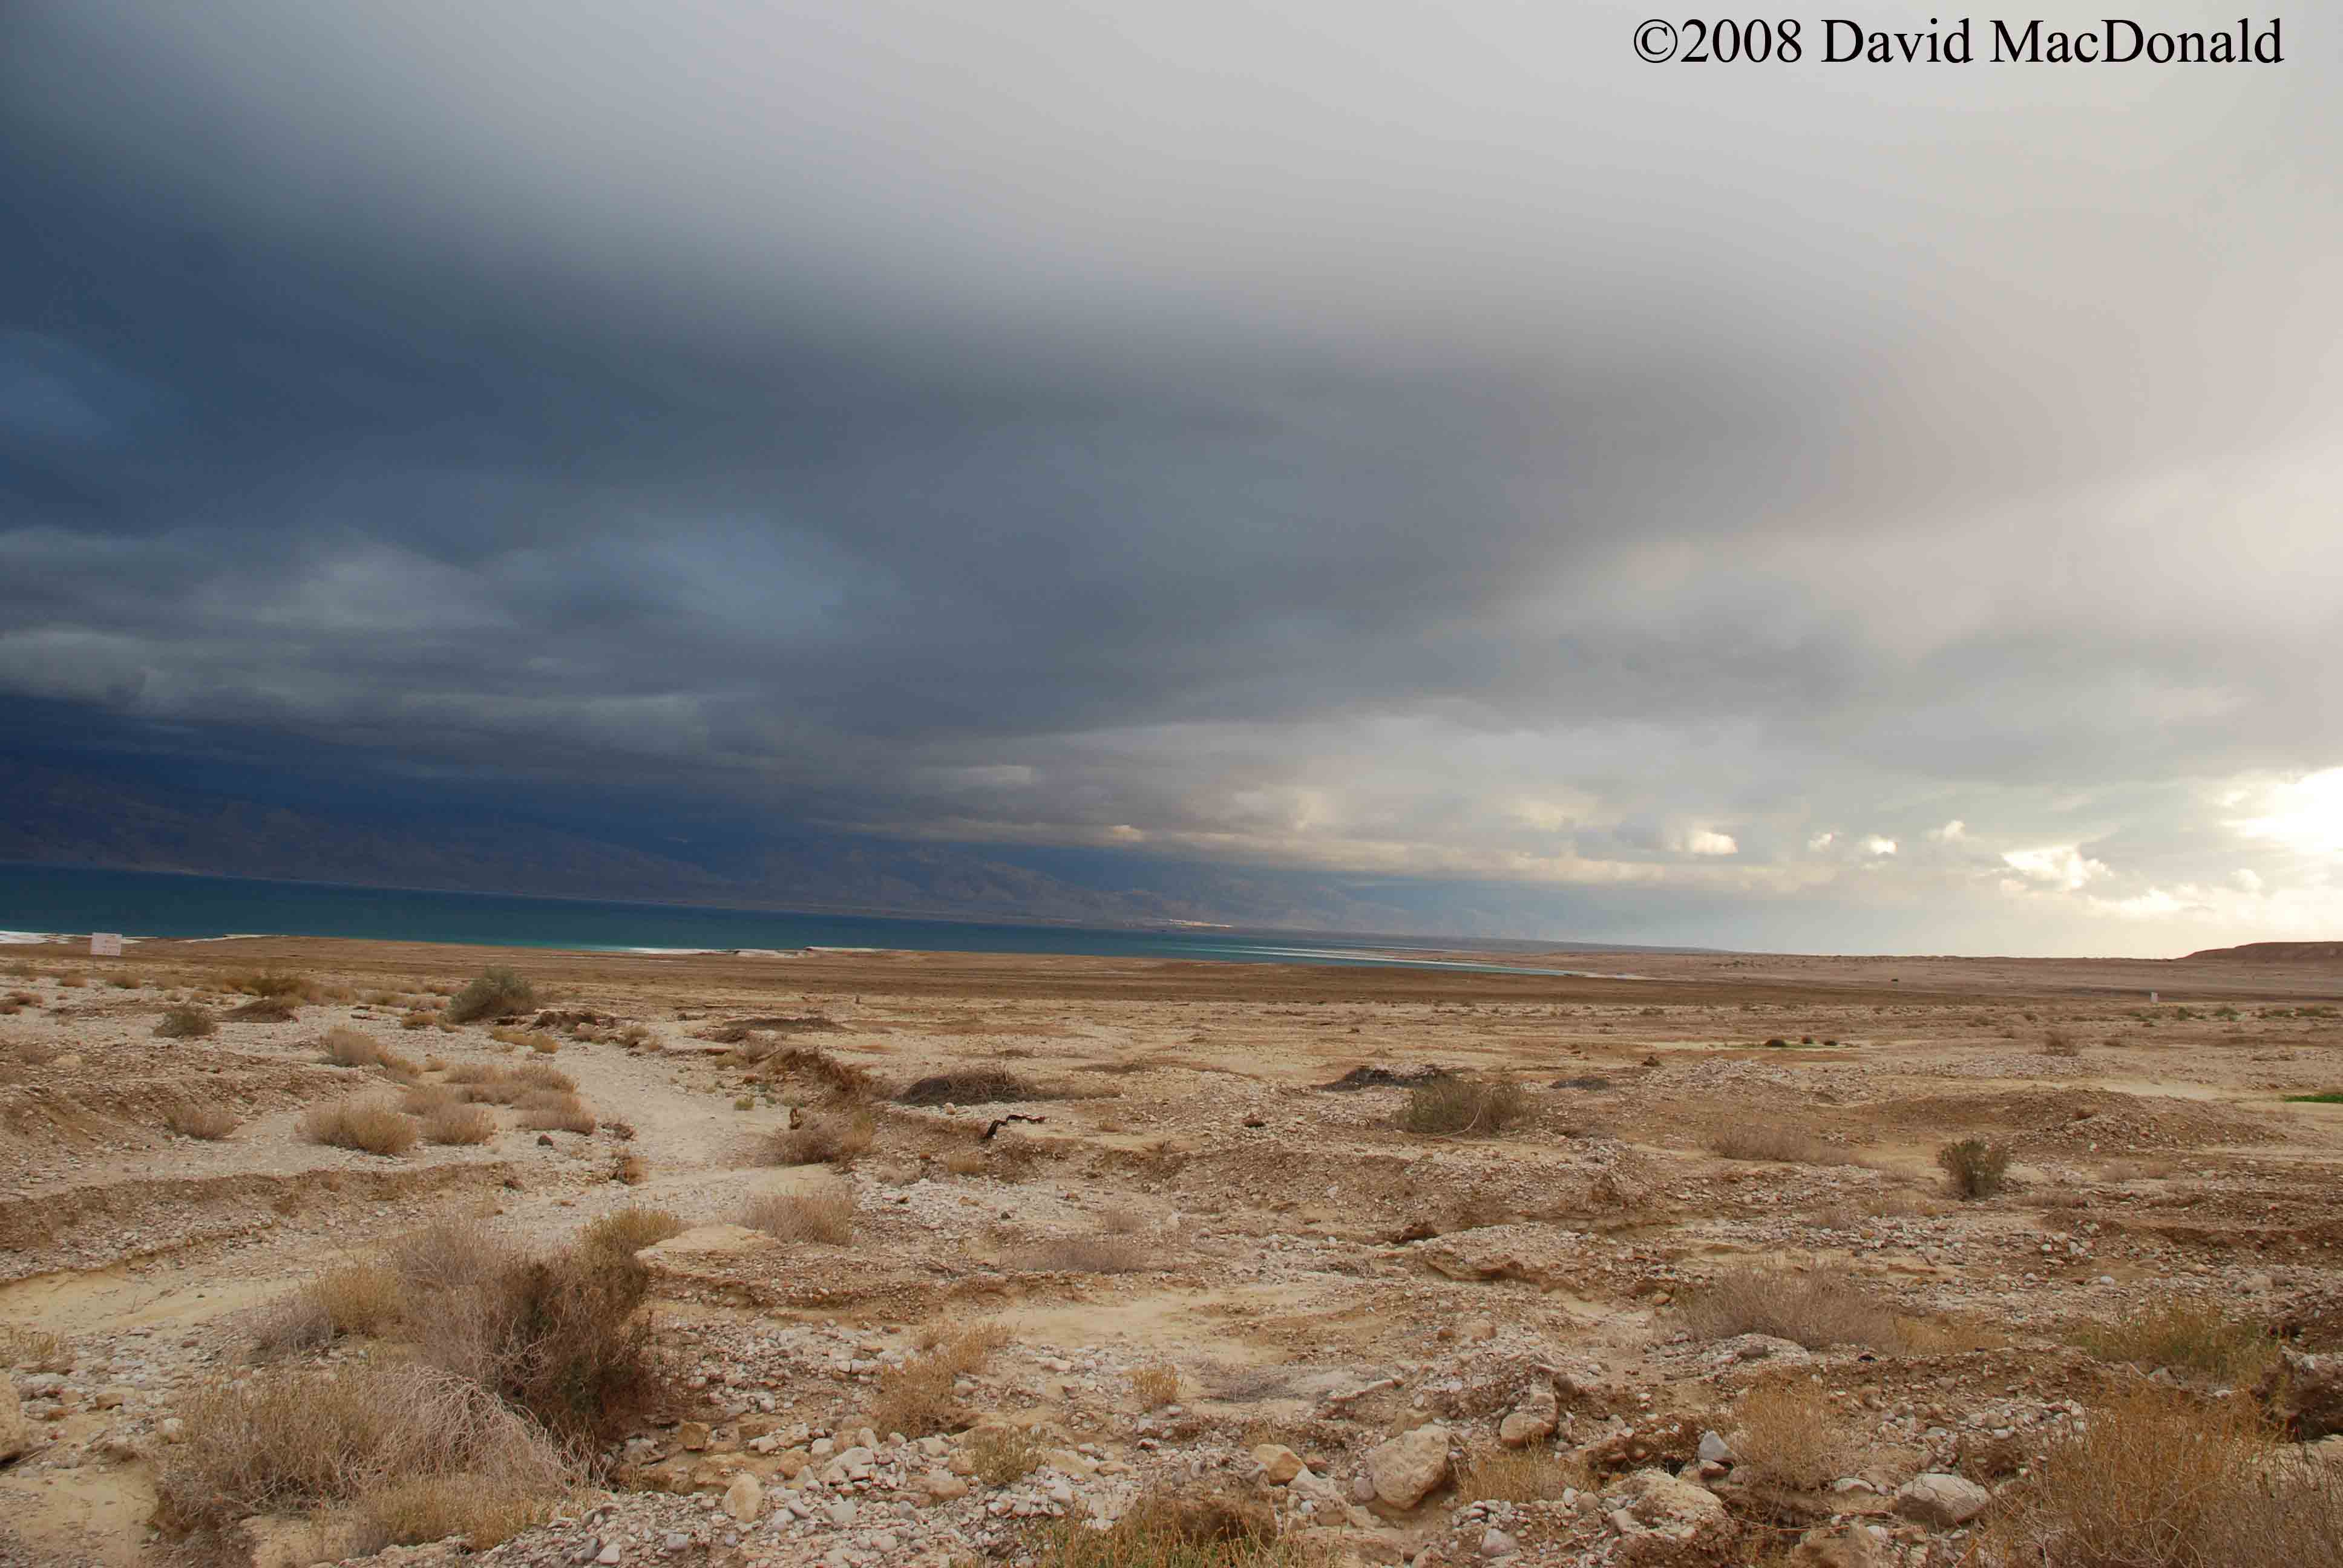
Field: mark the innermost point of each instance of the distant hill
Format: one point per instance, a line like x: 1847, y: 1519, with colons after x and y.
x: 2276, y: 953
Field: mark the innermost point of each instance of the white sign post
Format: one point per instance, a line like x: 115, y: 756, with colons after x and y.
x: 106, y: 944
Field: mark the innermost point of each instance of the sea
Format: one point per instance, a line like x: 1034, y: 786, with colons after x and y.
x: 41, y: 902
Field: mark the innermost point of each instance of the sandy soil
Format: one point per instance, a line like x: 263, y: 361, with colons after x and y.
x: 1319, y: 1278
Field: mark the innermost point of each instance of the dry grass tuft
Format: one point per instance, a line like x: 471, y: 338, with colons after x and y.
x: 1772, y: 1140
x: 823, y: 1216
x: 355, y: 1047
x: 535, y: 1040
x: 561, y: 1337
x: 2186, y: 1335
x: 1166, y: 1529
x: 186, y: 1022
x: 370, y: 1126
x: 263, y: 1010
x: 915, y: 1398
x: 496, y: 992
x: 1510, y: 1475
x: 1789, y: 1437
x: 1812, y: 1310
x: 553, y: 1110
x: 1004, y: 1455
x: 629, y: 1229
x: 825, y: 1138
x: 2157, y: 1479
x: 1081, y: 1255
x: 1453, y: 1105
x: 965, y: 1162
x: 459, y: 1124
x: 1156, y: 1385
x: 34, y: 1350
x: 208, y: 1121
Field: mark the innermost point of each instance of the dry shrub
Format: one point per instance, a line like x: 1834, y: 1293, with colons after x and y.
x: 289, y: 1443
x: 498, y: 992
x: 827, y: 1215
x: 419, y: 1018
x: 207, y: 1120
x: 1812, y: 1310
x: 2186, y: 1336
x: 629, y: 1229
x: 1447, y: 1105
x: 277, y: 984
x: 263, y: 1010
x: 560, y: 1337
x: 824, y: 1139
x: 915, y: 1398
x: 1155, y: 1386
x: 459, y: 1124
x: 447, y: 1258
x: 360, y: 1297
x: 1977, y: 1169
x: 631, y: 1170
x: 1081, y: 1255
x: 1166, y: 1529
x: 423, y: 1098
x: 974, y: 1086
x: 535, y: 1040
x: 1004, y: 1455
x: 186, y: 1022
x: 543, y: 1075
x: 2157, y: 1479
x: 1774, y: 1140
x: 841, y: 1081
x: 1510, y: 1475
x: 2057, y: 1044
x: 370, y: 1126
x: 1788, y: 1436
x: 965, y: 1162
x: 551, y: 1111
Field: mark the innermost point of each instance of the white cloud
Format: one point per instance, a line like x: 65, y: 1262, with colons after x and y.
x: 2062, y: 866
x: 1703, y: 841
x: 1822, y: 842
x: 1951, y: 832
x: 2303, y: 815
x: 1876, y: 845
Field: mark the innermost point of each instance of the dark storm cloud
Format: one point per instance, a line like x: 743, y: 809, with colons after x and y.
x: 1424, y: 442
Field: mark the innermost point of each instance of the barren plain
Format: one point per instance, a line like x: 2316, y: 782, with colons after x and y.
x: 936, y: 1259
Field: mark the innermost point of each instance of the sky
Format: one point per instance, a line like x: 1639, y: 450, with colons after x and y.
x: 1758, y: 505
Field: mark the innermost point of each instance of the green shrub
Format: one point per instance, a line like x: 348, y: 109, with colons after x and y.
x: 186, y: 1022
x: 1978, y: 1169
x: 496, y: 992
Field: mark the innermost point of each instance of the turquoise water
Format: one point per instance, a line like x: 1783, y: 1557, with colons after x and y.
x: 76, y: 900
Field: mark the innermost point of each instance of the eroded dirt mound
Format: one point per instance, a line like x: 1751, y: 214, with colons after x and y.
x: 2276, y: 953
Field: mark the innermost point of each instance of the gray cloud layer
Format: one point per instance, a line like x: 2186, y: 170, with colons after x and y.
x: 1423, y: 441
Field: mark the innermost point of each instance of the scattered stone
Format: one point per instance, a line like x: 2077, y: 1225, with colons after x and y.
x: 1941, y: 1500
x: 744, y: 1500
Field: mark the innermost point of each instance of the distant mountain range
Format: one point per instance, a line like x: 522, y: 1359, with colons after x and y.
x: 144, y: 815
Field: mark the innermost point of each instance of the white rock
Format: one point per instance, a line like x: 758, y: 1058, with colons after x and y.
x: 744, y: 1500
x: 1408, y: 1466
x: 1942, y: 1499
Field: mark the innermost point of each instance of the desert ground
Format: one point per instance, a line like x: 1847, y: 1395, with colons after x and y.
x: 932, y: 1258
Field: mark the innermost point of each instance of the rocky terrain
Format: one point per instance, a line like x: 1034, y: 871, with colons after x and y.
x: 950, y: 1260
